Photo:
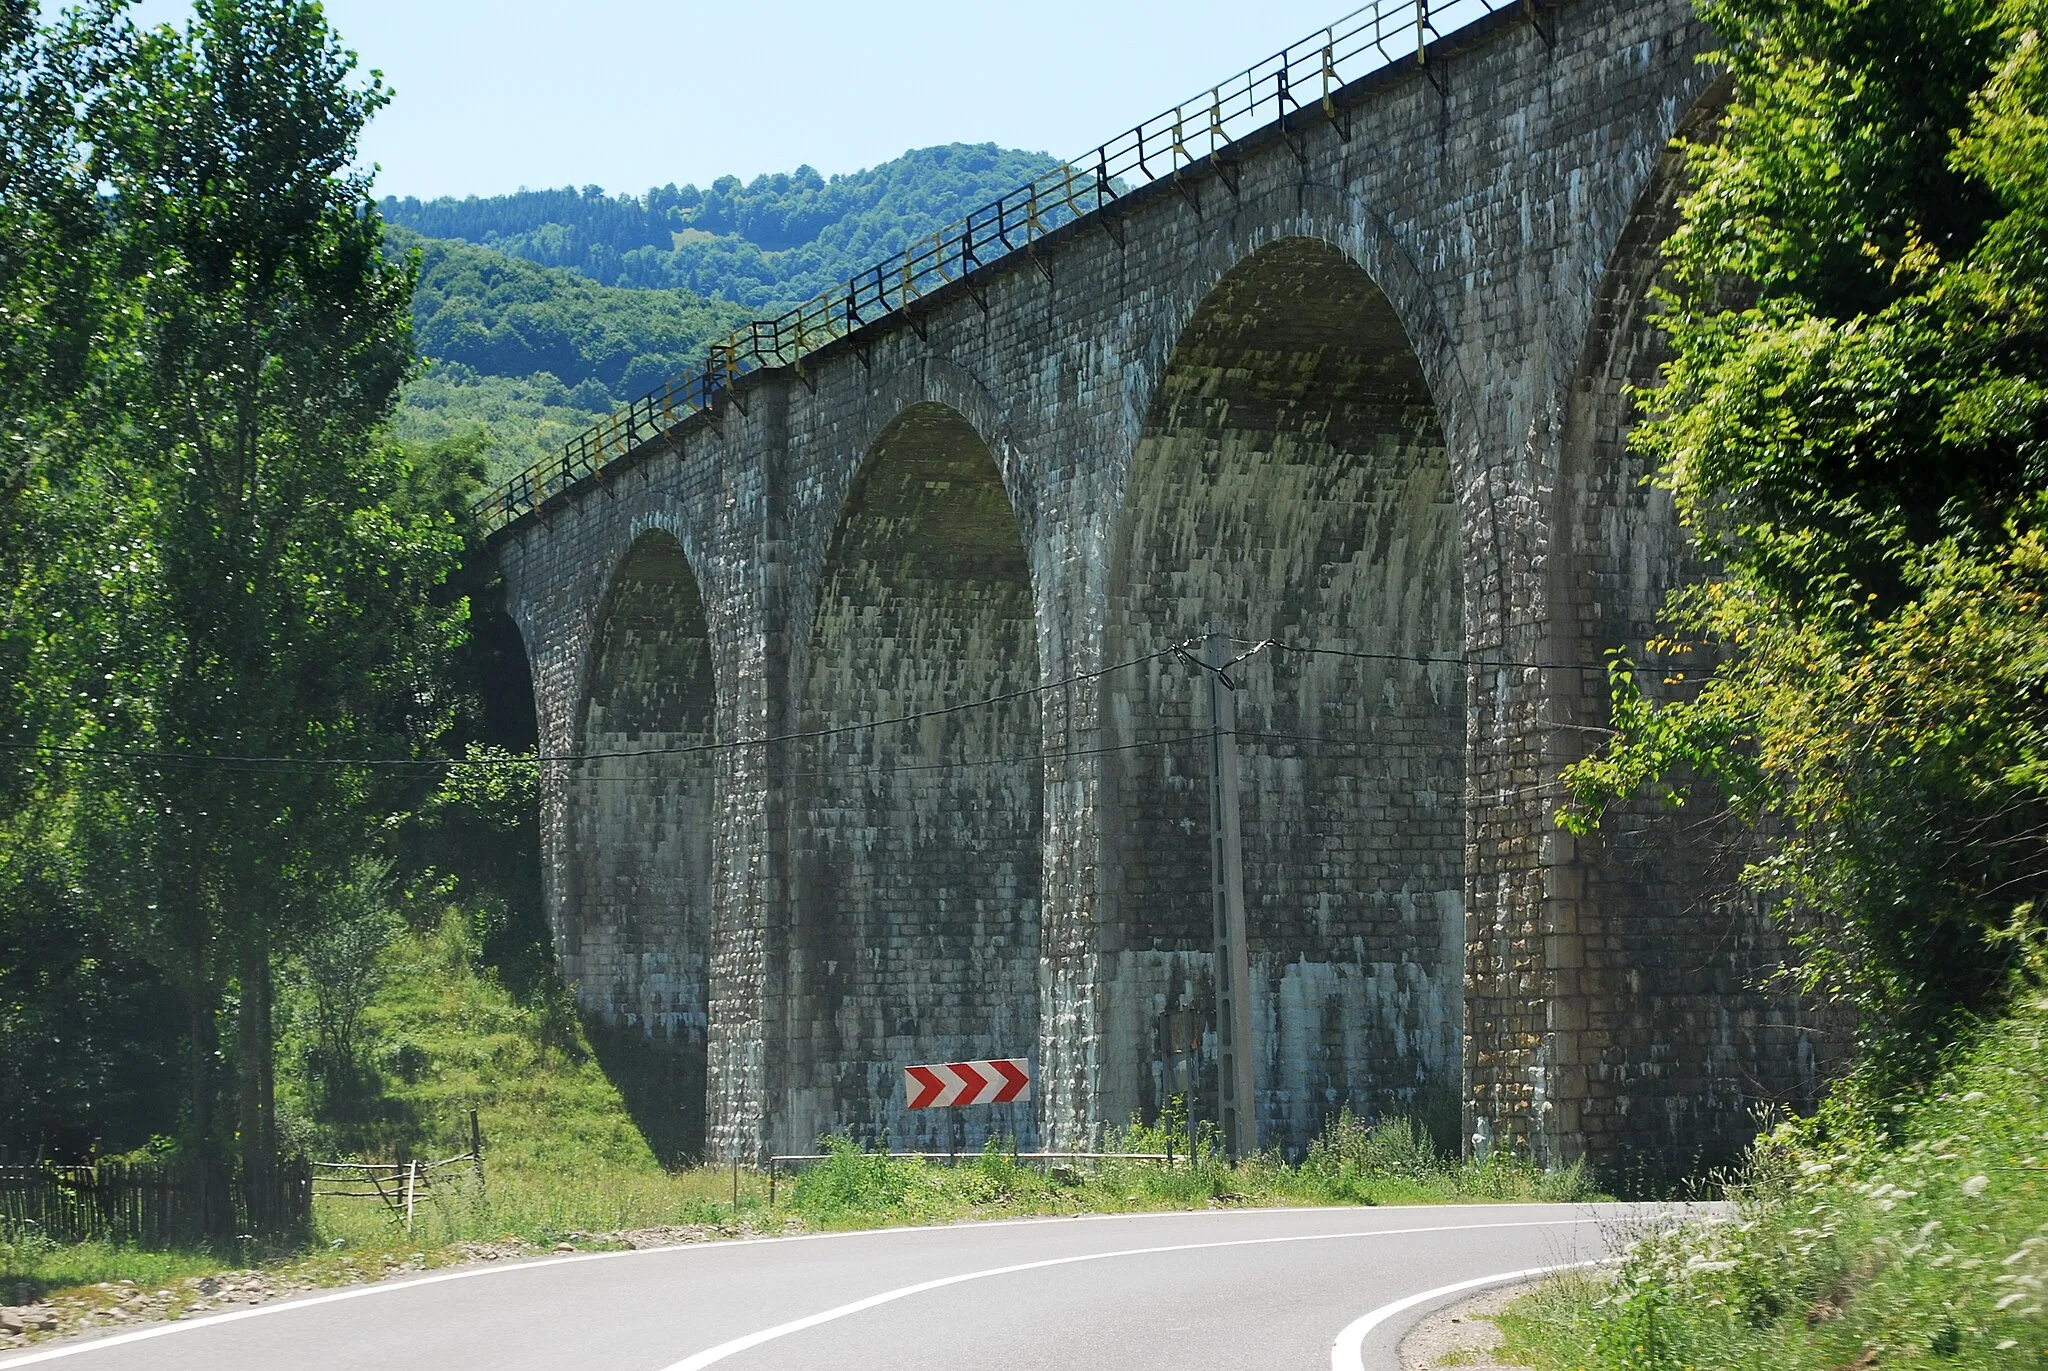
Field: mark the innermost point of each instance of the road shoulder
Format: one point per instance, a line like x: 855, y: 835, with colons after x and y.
x: 1462, y: 1334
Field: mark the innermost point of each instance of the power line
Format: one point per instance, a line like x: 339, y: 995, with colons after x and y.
x: 1491, y: 794
x: 1486, y: 795
x: 968, y: 763
x: 271, y: 765
x: 916, y: 716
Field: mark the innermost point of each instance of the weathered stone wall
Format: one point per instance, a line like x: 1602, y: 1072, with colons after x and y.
x: 915, y: 846
x: 1292, y: 483
x: 720, y: 514
x: 1323, y: 393
x: 1675, y: 1048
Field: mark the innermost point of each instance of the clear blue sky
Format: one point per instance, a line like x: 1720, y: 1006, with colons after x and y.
x: 496, y: 94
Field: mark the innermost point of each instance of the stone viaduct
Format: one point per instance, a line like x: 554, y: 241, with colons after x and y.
x: 1362, y: 391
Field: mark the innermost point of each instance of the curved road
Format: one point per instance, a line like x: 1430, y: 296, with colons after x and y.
x: 1275, y: 1288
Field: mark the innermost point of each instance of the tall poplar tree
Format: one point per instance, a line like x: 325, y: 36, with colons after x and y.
x: 289, y: 596
x: 214, y: 554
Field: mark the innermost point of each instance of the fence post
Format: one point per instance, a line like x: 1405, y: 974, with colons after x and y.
x: 412, y: 1175
x: 476, y: 1152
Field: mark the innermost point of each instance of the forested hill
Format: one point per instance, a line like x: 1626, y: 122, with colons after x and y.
x: 506, y: 317
x: 544, y: 310
x: 770, y: 242
x: 533, y: 355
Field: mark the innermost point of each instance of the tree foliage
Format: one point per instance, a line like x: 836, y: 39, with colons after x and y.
x: 545, y: 310
x: 1853, y: 427
x: 222, y: 556
x: 499, y: 316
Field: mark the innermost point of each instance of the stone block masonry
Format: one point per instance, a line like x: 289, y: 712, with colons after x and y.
x: 1358, y: 392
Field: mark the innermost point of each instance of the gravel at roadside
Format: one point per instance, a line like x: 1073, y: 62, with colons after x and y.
x: 115, y: 1306
x: 1462, y: 1334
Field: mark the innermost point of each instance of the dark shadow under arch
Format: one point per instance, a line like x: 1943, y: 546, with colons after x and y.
x: 505, y: 865
x: 1292, y: 481
x: 635, y: 935
x: 916, y: 848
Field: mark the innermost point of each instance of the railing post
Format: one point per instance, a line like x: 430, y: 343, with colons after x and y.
x: 1421, y: 31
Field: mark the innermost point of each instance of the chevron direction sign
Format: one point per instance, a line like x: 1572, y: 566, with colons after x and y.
x: 953, y: 1083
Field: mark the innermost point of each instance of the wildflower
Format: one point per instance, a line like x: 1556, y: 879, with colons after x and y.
x: 1976, y: 1185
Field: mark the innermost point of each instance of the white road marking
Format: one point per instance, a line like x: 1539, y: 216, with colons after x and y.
x: 1348, y: 1352
x: 713, y: 1355
x: 162, y: 1330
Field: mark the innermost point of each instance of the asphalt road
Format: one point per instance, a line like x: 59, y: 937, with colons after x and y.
x: 1226, y: 1289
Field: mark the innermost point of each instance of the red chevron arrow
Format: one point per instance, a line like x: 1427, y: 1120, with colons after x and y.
x: 927, y: 1082
x: 1016, y: 1080
x: 972, y: 1083
x: 941, y: 1084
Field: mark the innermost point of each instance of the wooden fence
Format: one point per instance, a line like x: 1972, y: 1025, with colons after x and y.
x: 402, y: 1183
x: 154, y: 1204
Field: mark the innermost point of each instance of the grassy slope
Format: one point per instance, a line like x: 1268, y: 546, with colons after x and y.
x: 562, y: 1150
x: 1928, y: 1249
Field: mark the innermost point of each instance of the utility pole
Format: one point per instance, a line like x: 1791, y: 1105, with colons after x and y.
x: 1226, y: 886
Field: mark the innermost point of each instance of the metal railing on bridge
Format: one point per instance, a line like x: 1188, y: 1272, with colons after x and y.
x: 1298, y: 82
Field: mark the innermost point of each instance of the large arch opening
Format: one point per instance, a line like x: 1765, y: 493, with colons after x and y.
x: 916, y: 847
x: 641, y: 817
x: 1293, y: 483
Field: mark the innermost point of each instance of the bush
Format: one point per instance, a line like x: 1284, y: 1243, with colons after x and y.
x: 1846, y: 1248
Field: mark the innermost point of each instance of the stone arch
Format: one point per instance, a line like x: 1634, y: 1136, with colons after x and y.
x: 916, y: 847
x: 1670, y: 1048
x: 641, y: 815
x: 1346, y: 219
x: 932, y: 382
x: 1293, y: 481
x: 508, y: 706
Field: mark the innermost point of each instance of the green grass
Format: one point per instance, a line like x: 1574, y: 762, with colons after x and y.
x: 1924, y: 1246
x: 1351, y: 1164
x: 31, y: 1261
x: 563, y: 1151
